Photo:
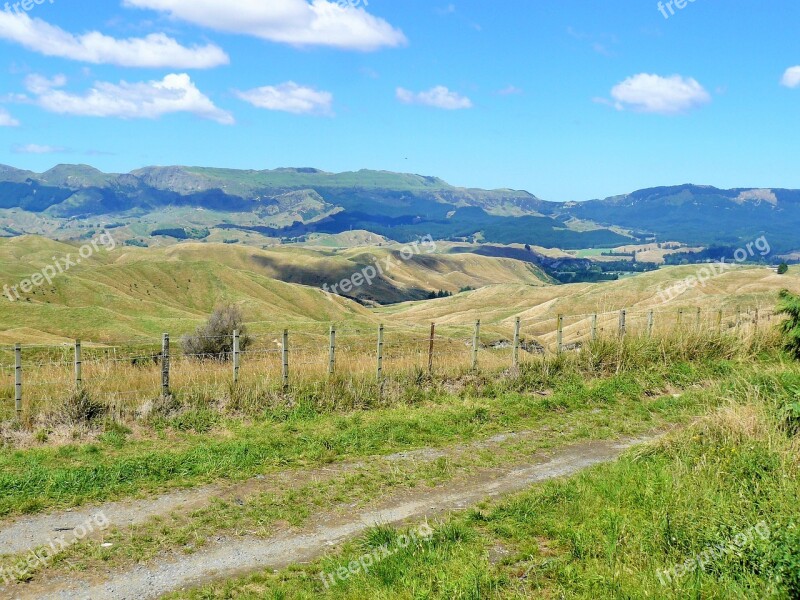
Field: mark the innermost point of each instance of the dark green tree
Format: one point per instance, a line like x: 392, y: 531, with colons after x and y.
x: 783, y: 268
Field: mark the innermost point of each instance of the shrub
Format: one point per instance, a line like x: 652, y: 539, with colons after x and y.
x: 214, y: 340
x: 783, y: 268
x: 789, y: 305
x: 80, y: 409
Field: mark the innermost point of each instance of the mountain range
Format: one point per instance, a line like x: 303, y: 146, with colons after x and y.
x: 72, y: 201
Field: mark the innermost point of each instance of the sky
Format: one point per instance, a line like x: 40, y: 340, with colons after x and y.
x: 567, y: 99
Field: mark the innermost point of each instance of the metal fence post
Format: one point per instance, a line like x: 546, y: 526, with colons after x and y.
x: 515, y: 355
x: 651, y: 321
x: 622, y: 322
x: 332, y: 351
x: 18, y: 380
x: 165, y: 365
x: 285, y: 353
x: 236, y: 356
x: 380, y: 354
x: 594, y: 327
x: 430, y: 348
x: 78, y: 365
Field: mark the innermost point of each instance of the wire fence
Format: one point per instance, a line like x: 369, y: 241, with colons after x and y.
x: 123, y: 375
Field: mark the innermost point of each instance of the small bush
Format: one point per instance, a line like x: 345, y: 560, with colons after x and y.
x: 80, y: 409
x: 214, y: 340
x: 789, y: 305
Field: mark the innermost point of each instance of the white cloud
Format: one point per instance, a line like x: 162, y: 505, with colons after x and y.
x: 155, y: 50
x: 298, y: 22
x: 510, y: 90
x: 438, y: 97
x: 290, y: 97
x: 37, y: 149
x: 661, y: 95
x: 791, y: 78
x: 6, y: 120
x: 176, y: 93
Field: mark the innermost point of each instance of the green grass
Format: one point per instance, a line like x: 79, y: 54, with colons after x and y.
x: 609, y: 532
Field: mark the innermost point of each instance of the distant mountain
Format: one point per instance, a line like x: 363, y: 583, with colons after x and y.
x: 281, y: 203
x: 702, y: 214
x: 72, y: 200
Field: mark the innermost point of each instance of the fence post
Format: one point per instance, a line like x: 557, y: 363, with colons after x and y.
x: 651, y: 320
x: 380, y: 353
x: 560, y: 334
x: 623, y: 314
x: 285, y: 353
x: 594, y: 327
x: 332, y: 351
x: 699, y: 317
x: 680, y: 317
x: 165, y: 365
x: 719, y: 321
x: 430, y: 348
x: 738, y: 319
x: 78, y: 365
x: 235, y: 356
x: 18, y: 380
x: 515, y: 356
x: 475, y: 341
x: 756, y: 321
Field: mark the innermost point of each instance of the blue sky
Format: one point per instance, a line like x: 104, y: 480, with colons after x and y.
x: 568, y: 99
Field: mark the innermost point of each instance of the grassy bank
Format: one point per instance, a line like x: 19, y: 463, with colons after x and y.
x: 709, y: 512
x: 198, y: 440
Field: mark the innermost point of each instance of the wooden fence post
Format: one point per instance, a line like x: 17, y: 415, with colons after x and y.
x: 18, y: 380
x: 623, y: 318
x: 165, y: 365
x: 651, y: 321
x: 719, y: 322
x: 699, y: 317
x: 594, y: 328
x: 285, y: 353
x: 430, y: 348
x: 332, y: 351
x: 515, y: 353
x: 738, y: 319
x: 680, y: 317
x: 756, y: 320
x: 235, y: 356
x: 78, y: 366
x: 380, y: 354
x: 476, y: 340
x: 559, y: 334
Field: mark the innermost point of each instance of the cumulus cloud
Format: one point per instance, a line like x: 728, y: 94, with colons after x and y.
x: 298, y: 22
x: 37, y: 149
x: 155, y: 50
x: 6, y: 120
x: 791, y: 78
x: 176, y: 93
x: 290, y: 97
x: 438, y: 97
x: 660, y: 95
